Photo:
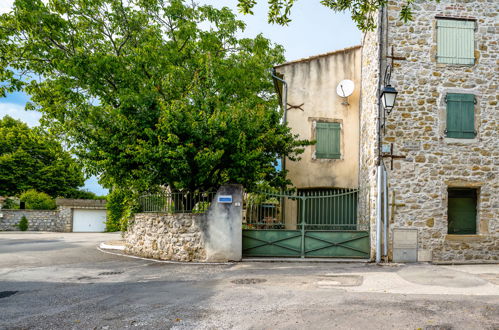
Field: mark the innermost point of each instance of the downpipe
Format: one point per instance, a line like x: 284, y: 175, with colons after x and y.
x: 378, y: 213
x: 284, y: 97
x: 385, y: 213
x: 284, y: 103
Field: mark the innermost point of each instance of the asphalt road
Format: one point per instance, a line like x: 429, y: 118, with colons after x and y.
x: 62, y: 281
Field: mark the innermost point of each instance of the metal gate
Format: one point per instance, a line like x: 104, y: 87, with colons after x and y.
x: 307, y: 223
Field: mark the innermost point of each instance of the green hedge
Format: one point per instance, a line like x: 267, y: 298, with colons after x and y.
x: 35, y: 200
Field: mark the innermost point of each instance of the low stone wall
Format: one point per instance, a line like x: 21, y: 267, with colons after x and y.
x: 177, y: 237
x: 60, y: 220
x: 214, y: 236
x: 38, y: 220
x: 467, y: 248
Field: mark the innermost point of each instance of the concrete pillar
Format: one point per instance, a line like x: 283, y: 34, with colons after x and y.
x: 223, y: 231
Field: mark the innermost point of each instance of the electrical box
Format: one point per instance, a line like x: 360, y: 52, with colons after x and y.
x: 405, y: 245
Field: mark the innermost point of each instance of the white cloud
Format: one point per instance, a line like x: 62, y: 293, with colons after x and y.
x: 17, y: 111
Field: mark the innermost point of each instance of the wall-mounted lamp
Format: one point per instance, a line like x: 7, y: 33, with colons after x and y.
x: 388, y: 96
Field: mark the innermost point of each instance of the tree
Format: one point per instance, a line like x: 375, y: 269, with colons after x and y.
x: 363, y: 11
x: 23, y: 224
x: 150, y: 92
x: 31, y: 159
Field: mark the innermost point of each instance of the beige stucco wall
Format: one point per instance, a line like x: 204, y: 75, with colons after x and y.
x: 312, y: 82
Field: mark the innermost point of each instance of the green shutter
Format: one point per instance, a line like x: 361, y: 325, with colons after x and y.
x: 455, y: 41
x: 328, y: 140
x: 460, y: 116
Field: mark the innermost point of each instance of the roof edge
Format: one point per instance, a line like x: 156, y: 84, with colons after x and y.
x: 311, y: 58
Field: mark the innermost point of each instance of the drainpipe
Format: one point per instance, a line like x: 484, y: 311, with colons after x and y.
x: 385, y: 212
x: 378, y: 213
x: 284, y: 97
x: 284, y: 102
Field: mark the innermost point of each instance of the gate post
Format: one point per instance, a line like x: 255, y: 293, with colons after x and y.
x: 223, y: 227
x: 303, y: 199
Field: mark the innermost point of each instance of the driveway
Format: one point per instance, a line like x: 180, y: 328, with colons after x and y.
x: 62, y: 281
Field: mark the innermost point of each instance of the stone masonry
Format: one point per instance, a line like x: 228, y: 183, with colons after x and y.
x: 214, y: 236
x: 59, y: 220
x: 38, y: 220
x: 433, y: 162
x: 176, y: 237
x: 369, y: 131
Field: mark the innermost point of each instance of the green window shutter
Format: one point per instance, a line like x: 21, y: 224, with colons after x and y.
x: 455, y: 41
x: 460, y: 116
x: 328, y: 140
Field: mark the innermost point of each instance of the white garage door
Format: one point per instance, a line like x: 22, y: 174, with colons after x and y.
x: 89, y: 220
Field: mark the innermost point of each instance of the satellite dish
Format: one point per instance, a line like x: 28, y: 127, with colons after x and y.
x: 345, y: 88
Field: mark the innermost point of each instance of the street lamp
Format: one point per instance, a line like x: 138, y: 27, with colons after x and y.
x: 388, y: 95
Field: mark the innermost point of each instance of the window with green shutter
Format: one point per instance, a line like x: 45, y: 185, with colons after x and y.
x: 455, y: 41
x: 460, y: 116
x: 461, y: 211
x: 328, y: 140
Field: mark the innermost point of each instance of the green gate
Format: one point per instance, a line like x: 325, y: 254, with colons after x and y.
x: 319, y: 223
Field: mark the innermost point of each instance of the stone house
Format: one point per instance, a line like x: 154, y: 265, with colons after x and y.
x: 427, y: 170
x: 444, y: 183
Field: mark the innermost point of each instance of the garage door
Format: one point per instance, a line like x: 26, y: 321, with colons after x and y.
x: 89, y: 220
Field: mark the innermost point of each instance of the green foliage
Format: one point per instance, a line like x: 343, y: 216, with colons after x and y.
x: 201, y: 207
x: 31, y: 159
x: 115, y: 210
x: 150, y: 93
x: 10, y: 204
x: 23, y: 224
x: 35, y: 200
x: 363, y: 12
x: 121, y: 206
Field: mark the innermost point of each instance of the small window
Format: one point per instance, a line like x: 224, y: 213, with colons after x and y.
x: 455, y: 41
x: 460, y: 116
x: 462, y: 211
x: 328, y: 140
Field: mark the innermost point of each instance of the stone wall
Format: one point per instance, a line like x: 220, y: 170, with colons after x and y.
x: 368, y: 132
x: 38, y: 220
x: 416, y: 127
x: 60, y: 220
x: 176, y: 237
x: 215, y: 236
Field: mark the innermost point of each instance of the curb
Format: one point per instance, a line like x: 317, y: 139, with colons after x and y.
x: 307, y: 260
x: 121, y: 248
x: 111, y: 247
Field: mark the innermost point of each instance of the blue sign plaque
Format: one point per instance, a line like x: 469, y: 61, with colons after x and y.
x: 225, y: 199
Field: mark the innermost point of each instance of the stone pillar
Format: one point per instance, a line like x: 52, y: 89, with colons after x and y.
x: 223, y: 231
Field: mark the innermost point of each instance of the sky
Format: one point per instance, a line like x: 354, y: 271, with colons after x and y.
x: 314, y: 29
